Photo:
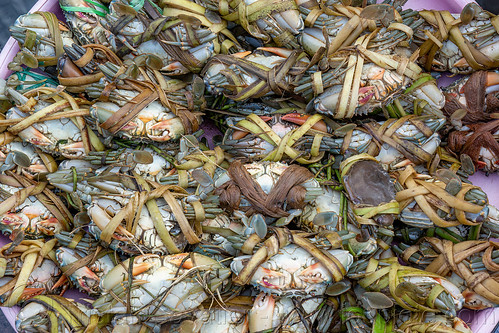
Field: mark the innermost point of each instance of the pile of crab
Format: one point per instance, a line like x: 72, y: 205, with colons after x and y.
x: 248, y: 166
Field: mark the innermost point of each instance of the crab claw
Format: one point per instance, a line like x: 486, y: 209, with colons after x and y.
x: 168, y: 129
x: 180, y: 260
x: 131, y: 127
x: 241, y: 55
x: 120, y: 273
x: 34, y: 136
x: 492, y: 79
x: 14, y: 220
x: 301, y: 118
x: 87, y: 280
x: 72, y: 150
x: 184, y: 260
x: 50, y: 226
x: 101, y: 218
x: 62, y: 280
x: 175, y: 67
x: 268, y: 278
x: 261, y: 314
x: 315, y: 273
x: 37, y: 168
x: 31, y: 292
x: 365, y: 94
x: 282, y: 52
x: 474, y: 301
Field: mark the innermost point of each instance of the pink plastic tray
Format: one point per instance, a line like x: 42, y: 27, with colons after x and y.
x: 481, y: 321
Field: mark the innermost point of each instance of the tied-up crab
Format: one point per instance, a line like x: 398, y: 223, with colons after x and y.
x: 469, y: 259
x: 431, y: 322
x: 442, y: 201
x: 410, y: 288
x: 187, y: 93
x: 271, y: 190
x: 262, y: 137
x: 150, y: 162
x: 41, y: 37
x: 344, y: 24
x: 410, y: 138
x: 246, y: 75
x: 25, y: 159
x: 393, y: 142
x: 458, y: 43
x: 470, y: 105
x: 141, y: 108
x: 51, y: 313
x: 154, y: 288
x: 84, y: 18
x: 28, y: 269
x: 288, y: 263
x: 352, y: 83
x: 132, y: 215
x: 182, y: 39
x: 360, y: 81
x: 85, y: 271
x: 262, y: 19
x: 30, y: 208
x: 55, y: 125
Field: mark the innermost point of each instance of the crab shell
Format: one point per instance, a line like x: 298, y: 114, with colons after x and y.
x: 154, y: 122
x: 42, y: 280
x: 31, y: 216
x: 36, y: 164
x: 146, y: 237
x: 292, y: 271
x: 379, y: 86
x: 59, y: 137
x: 165, y: 284
x: 35, y: 22
x: 86, y: 278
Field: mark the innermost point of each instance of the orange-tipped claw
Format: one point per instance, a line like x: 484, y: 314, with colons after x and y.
x: 461, y: 63
x: 237, y: 135
x: 282, y: 52
x: 179, y: 259
x: 241, y: 55
x: 492, y: 79
x: 31, y: 292
x: 122, y: 231
x: 164, y: 124
x: 480, y: 164
x: 300, y: 119
x: 37, y: 138
x: 140, y: 268
x: 404, y: 163
x: 174, y: 66
x: 310, y: 273
x: 37, y: 168
x: 62, y: 280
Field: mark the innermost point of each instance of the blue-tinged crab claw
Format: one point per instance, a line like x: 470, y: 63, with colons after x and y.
x: 83, y: 277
